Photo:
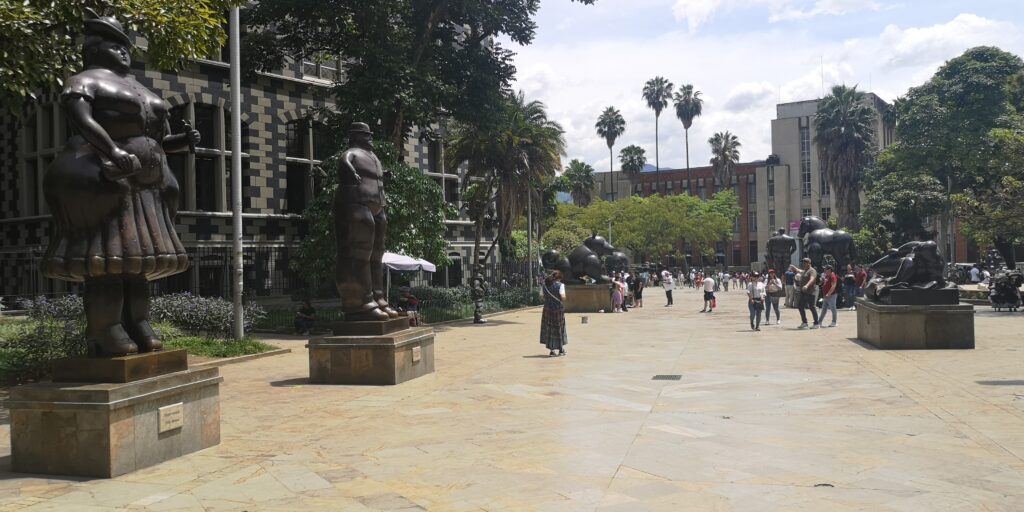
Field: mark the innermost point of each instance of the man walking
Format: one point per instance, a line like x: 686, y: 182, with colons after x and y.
x: 790, y: 281
x: 807, y: 297
x: 709, y: 294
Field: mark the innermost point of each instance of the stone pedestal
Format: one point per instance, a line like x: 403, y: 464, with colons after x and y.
x: 588, y: 298
x: 372, y: 360
x: 119, y: 369
x: 106, y: 430
x: 944, y: 326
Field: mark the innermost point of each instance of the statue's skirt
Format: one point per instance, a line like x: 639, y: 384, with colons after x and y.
x: 115, y: 228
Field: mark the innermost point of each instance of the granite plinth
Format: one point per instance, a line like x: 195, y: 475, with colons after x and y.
x: 372, y: 360
x: 378, y: 328
x: 915, y: 297
x: 588, y: 298
x: 903, y: 327
x: 120, y: 369
x: 107, y: 430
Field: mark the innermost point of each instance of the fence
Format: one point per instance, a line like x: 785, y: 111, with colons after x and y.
x: 267, y: 275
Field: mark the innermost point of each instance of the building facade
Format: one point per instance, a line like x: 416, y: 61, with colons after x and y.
x: 280, y: 149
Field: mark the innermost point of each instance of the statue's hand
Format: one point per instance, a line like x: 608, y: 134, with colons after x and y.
x: 122, y: 159
x: 193, y: 137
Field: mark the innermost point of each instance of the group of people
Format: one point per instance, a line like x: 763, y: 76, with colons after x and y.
x: 798, y: 287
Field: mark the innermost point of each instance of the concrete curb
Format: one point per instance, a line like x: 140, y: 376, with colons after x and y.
x: 240, y: 359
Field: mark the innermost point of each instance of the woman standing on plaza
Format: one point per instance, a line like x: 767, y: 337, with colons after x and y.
x: 773, y: 291
x: 552, y: 320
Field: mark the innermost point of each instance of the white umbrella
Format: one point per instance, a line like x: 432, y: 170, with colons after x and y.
x: 403, y: 263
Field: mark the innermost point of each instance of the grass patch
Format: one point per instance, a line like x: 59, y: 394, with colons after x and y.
x: 206, y: 346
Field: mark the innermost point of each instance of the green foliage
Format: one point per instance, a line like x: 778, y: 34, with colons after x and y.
x: 900, y: 198
x: 563, y: 235
x: 633, y: 159
x: 871, y: 242
x: 998, y: 213
x: 416, y: 213
x: 725, y: 154
x: 580, y: 182
x: 610, y: 125
x: 652, y: 226
x: 844, y: 134
x: 195, y: 314
x: 405, y: 60
x: 27, y: 348
x: 40, y: 48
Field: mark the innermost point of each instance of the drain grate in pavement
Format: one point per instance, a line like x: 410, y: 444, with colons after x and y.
x: 667, y: 377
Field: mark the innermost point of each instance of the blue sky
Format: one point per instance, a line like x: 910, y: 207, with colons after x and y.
x: 744, y: 55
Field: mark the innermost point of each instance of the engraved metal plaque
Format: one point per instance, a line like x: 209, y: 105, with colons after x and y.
x: 416, y: 355
x: 171, y: 417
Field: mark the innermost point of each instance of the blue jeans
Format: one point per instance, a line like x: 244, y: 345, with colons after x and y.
x: 829, y: 304
x: 755, y: 315
x: 851, y: 295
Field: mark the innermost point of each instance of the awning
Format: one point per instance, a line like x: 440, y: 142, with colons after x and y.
x: 403, y: 263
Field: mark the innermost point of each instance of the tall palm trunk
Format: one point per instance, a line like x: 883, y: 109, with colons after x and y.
x: 687, y: 132
x: 657, y: 161
x: 611, y: 170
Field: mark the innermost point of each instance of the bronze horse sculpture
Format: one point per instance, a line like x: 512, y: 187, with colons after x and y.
x: 818, y: 241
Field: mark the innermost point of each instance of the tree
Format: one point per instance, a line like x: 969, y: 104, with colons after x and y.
x: 657, y: 93
x: 416, y: 214
x: 40, y: 46
x: 725, y: 154
x: 899, y: 198
x: 689, y: 106
x: 404, y: 61
x: 945, y: 126
x: 633, y: 160
x: 508, y: 160
x: 580, y: 182
x: 610, y: 125
x: 844, y: 133
x: 998, y: 215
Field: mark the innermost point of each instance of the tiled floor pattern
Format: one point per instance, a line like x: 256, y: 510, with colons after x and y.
x: 777, y: 420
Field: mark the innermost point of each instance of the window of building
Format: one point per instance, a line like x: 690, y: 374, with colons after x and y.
x: 805, y: 212
x: 751, y: 190
x: 805, y: 161
x: 205, y: 176
x: 451, y: 191
x: 752, y: 221
x: 736, y: 225
x: 702, y: 192
x: 752, y: 248
x: 307, y: 144
x: 826, y: 213
x: 826, y: 189
x: 43, y: 134
x: 322, y: 67
x: 771, y: 219
x: 771, y: 181
x: 736, y: 256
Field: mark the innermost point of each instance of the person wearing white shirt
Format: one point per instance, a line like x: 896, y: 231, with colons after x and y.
x: 709, y: 294
x: 755, y: 301
x: 669, y: 284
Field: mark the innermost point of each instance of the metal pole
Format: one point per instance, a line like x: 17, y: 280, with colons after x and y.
x: 609, y: 231
x: 236, y: 172
x: 529, y: 235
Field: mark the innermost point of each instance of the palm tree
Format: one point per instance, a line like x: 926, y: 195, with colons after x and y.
x: 610, y: 125
x: 657, y: 93
x: 509, y: 159
x: 725, y: 153
x: 844, y: 134
x: 580, y: 180
x: 688, y: 106
x: 633, y: 160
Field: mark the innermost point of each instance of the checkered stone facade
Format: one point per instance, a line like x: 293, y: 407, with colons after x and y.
x: 269, y: 103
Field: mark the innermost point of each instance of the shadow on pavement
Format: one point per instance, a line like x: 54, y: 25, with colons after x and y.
x: 287, y: 383
x: 1000, y: 382
x: 863, y: 344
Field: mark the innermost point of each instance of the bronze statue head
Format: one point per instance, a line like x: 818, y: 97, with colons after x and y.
x: 106, y: 44
x: 359, y: 134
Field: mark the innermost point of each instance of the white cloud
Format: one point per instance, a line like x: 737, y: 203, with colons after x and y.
x: 741, y: 75
x: 696, y: 12
x: 788, y: 12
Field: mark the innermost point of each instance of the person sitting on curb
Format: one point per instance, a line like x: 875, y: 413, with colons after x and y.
x: 305, y: 318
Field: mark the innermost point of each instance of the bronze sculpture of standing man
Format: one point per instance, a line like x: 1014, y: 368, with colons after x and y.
x: 360, y: 225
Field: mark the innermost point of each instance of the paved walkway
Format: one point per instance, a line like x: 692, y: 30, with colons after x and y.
x: 775, y: 420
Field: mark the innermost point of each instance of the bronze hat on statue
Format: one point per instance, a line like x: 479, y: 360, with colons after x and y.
x: 360, y: 128
x: 106, y: 26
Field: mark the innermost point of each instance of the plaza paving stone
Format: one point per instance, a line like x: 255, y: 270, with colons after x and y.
x: 762, y: 421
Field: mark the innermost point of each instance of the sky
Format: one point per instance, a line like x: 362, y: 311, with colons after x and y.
x: 745, y: 56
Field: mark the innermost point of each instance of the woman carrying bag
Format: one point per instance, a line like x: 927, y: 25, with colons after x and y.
x: 774, y: 291
x: 552, y: 321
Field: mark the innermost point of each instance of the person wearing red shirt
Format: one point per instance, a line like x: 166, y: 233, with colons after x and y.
x: 862, y: 280
x: 829, y: 287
